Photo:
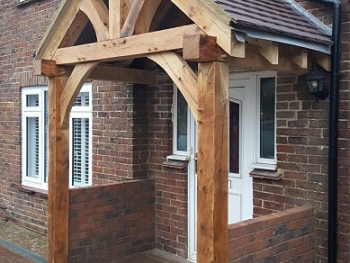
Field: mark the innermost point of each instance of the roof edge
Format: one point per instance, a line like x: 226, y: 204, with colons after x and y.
x: 310, y: 17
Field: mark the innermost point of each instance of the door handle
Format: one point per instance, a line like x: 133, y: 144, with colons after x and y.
x: 195, y: 162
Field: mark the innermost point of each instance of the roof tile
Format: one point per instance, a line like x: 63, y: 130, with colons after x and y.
x: 274, y: 16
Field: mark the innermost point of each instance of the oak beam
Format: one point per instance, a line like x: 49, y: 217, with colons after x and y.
x: 323, y: 60
x: 215, y: 22
x: 48, y: 68
x: 58, y: 194
x: 182, y: 75
x: 146, y: 16
x: 76, y: 80
x: 212, y: 191
x: 125, y: 48
x: 56, y: 32
x: 268, y: 49
x: 75, y: 30
x: 118, y: 11
x: 201, y: 48
x: 124, y: 75
x: 255, y: 61
x: 300, y: 57
x: 129, y: 25
x: 98, y: 15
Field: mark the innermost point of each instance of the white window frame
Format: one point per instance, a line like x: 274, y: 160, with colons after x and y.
x: 76, y: 112
x: 81, y: 112
x: 33, y: 112
x: 178, y: 154
x: 264, y: 163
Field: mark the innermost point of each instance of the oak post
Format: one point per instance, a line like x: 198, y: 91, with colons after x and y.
x: 212, y: 193
x: 58, y: 197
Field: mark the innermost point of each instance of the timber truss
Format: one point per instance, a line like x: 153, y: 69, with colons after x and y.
x: 169, y: 33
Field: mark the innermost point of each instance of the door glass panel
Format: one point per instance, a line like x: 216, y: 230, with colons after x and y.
x: 181, y: 123
x: 234, y: 136
x: 267, y: 118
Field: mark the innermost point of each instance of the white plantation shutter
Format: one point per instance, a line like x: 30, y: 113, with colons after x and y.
x: 80, y: 162
x: 80, y: 140
x: 46, y: 137
x: 32, y: 147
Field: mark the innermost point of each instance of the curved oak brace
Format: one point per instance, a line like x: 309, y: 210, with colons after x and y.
x: 146, y: 16
x: 79, y: 75
x: 183, y: 76
x: 65, y: 16
x: 74, y: 31
x: 98, y: 14
x: 129, y: 25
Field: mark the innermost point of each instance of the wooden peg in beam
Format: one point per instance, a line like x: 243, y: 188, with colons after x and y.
x: 201, y: 48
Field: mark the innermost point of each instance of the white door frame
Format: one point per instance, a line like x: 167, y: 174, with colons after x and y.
x: 247, y: 152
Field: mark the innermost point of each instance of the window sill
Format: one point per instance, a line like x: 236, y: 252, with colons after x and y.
x: 265, y: 174
x: 24, y: 2
x: 33, y: 191
x: 178, y: 162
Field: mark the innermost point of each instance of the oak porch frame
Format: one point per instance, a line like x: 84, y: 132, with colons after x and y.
x: 206, y: 93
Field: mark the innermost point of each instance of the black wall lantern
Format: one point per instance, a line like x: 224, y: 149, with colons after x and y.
x: 315, y: 83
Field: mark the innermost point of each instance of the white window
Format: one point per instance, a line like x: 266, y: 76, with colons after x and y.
x: 266, y: 126
x: 181, y: 118
x: 35, y: 147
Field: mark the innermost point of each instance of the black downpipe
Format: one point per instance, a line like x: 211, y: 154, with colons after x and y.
x: 333, y: 130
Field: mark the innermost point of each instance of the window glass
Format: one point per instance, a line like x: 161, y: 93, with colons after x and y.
x: 181, y: 122
x: 234, y: 136
x: 267, y: 118
x: 33, y: 100
x: 46, y: 137
x: 32, y: 147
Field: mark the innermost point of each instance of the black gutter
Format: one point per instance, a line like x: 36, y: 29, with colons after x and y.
x: 333, y: 130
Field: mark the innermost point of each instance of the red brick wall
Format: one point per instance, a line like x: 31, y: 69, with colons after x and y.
x: 111, y: 221
x: 20, y: 31
x: 170, y: 184
x: 277, y: 238
x: 120, y: 132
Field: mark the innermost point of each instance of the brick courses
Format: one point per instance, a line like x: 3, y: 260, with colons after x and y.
x: 111, y: 221
x: 281, y: 237
x: 133, y: 135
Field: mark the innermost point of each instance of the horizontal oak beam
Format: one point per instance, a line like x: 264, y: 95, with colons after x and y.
x: 116, y: 74
x: 125, y: 48
x: 201, y: 48
x: 124, y: 75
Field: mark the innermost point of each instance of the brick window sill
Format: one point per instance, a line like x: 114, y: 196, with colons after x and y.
x: 265, y: 174
x: 177, y: 162
x: 33, y: 191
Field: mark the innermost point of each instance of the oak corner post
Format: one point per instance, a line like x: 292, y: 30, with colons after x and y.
x: 212, y: 192
x: 58, y: 200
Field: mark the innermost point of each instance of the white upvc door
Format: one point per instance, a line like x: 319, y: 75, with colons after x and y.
x: 242, y: 94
